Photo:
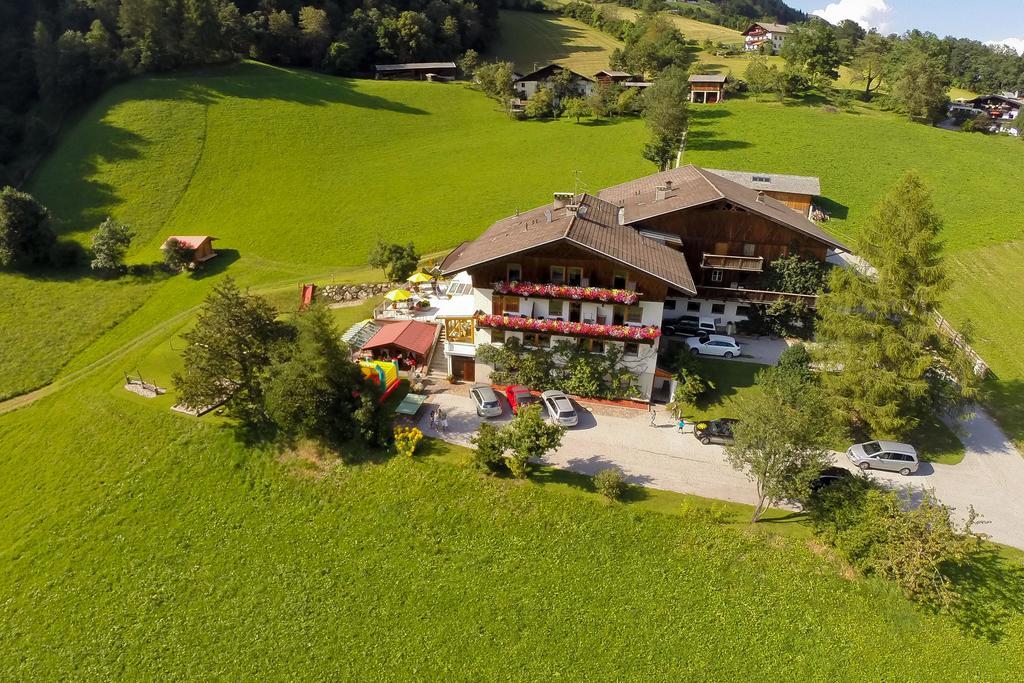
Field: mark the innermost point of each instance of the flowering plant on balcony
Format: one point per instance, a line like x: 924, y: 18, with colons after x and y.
x: 623, y: 332
x: 618, y: 296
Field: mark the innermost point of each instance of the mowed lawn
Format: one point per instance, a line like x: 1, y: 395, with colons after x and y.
x: 297, y: 174
x: 531, y: 40
x: 141, y: 544
x: 858, y: 157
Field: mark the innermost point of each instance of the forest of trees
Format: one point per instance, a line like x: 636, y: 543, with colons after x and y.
x: 55, y: 55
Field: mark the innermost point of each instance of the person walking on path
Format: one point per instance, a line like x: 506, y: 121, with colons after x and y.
x: 682, y: 424
x: 444, y: 423
x: 654, y: 414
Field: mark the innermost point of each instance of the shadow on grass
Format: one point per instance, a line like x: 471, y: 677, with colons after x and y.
x: 991, y: 590
x: 1005, y: 400
x: 706, y: 140
x: 833, y: 208
x: 257, y: 81
x: 634, y: 493
x: 217, y: 265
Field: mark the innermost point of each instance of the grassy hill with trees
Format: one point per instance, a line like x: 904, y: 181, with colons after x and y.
x: 859, y: 155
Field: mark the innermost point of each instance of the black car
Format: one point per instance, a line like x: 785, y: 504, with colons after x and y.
x: 829, y: 476
x: 715, y: 431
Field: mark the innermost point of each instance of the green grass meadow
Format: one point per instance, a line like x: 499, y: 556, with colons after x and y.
x: 531, y: 40
x: 141, y: 544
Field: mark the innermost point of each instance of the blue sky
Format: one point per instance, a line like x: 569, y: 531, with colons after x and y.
x: 985, y: 21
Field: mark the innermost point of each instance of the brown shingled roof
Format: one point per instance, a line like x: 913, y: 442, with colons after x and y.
x: 692, y: 186
x: 594, y: 226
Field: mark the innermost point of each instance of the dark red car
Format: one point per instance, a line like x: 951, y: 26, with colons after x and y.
x: 518, y: 395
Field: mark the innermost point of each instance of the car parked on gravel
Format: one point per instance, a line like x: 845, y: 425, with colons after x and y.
x: 891, y: 456
x: 486, y: 401
x: 828, y: 476
x: 518, y: 395
x: 715, y: 431
x: 690, y: 324
x: 713, y: 345
x: 559, y: 408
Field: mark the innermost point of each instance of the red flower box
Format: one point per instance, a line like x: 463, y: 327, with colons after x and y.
x: 616, y: 296
x: 620, y: 332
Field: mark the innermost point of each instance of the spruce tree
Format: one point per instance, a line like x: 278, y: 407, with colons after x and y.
x: 879, y: 337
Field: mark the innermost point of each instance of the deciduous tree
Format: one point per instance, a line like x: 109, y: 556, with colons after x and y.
x: 397, y: 261
x: 780, y: 442
x: 869, y: 61
x: 110, y: 245
x: 530, y: 437
x: 575, y: 108
x: 919, y: 85
x: 25, y: 235
x: 813, y: 49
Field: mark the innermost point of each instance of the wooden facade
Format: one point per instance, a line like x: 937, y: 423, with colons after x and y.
x: 580, y: 267
x: 707, y: 93
x: 722, y: 230
x: 797, y: 202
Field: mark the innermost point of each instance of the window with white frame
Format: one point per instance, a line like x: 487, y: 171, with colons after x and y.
x: 634, y: 314
x: 749, y: 249
x: 619, y: 280
x: 574, y: 277
x: 716, y: 275
x: 555, y: 309
x: 558, y: 274
x: 514, y: 272
x: 631, y: 350
x: 693, y: 307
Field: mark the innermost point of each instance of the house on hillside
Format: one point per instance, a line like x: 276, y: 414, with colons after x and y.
x: 526, y: 86
x: 707, y: 88
x: 763, y: 33
x: 605, y: 270
x: 201, y: 246
x: 607, y: 77
x: 795, y: 191
x: 420, y: 71
x: 1002, y: 110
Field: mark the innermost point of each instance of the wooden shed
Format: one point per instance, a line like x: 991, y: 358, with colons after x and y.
x: 707, y: 88
x: 201, y: 246
x: 417, y: 71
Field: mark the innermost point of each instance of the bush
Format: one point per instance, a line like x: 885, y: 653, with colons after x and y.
x: 610, y: 483
x: 406, y: 440
x: 918, y: 548
x: 489, y: 455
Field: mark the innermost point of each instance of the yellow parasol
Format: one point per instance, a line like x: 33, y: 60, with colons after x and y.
x: 398, y: 295
x: 419, y: 278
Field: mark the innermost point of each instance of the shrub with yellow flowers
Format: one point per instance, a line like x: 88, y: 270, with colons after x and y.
x: 406, y: 440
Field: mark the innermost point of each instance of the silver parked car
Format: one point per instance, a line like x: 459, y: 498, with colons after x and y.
x: 486, y: 401
x: 713, y: 345
x: 884, y: 455
x: 559, y: 409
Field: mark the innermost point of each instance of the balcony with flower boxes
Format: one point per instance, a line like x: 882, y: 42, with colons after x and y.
x: 647, y: 334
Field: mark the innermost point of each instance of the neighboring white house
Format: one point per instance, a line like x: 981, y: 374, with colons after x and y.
x: 760, y: 33
x: 526, y: 86
x: 1002, y: 110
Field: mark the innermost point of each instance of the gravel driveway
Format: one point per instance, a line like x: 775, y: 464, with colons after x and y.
x: 991, y: 476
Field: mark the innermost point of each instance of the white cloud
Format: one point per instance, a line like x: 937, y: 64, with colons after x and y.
x: 867, y: 13
x: 1016, y: 43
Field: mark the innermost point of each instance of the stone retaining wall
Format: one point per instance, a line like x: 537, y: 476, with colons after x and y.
x: 342, y: 292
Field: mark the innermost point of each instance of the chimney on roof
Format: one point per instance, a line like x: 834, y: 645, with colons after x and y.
x: 760, y: 196
x: 562, y: 199
x: 663, y: 191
